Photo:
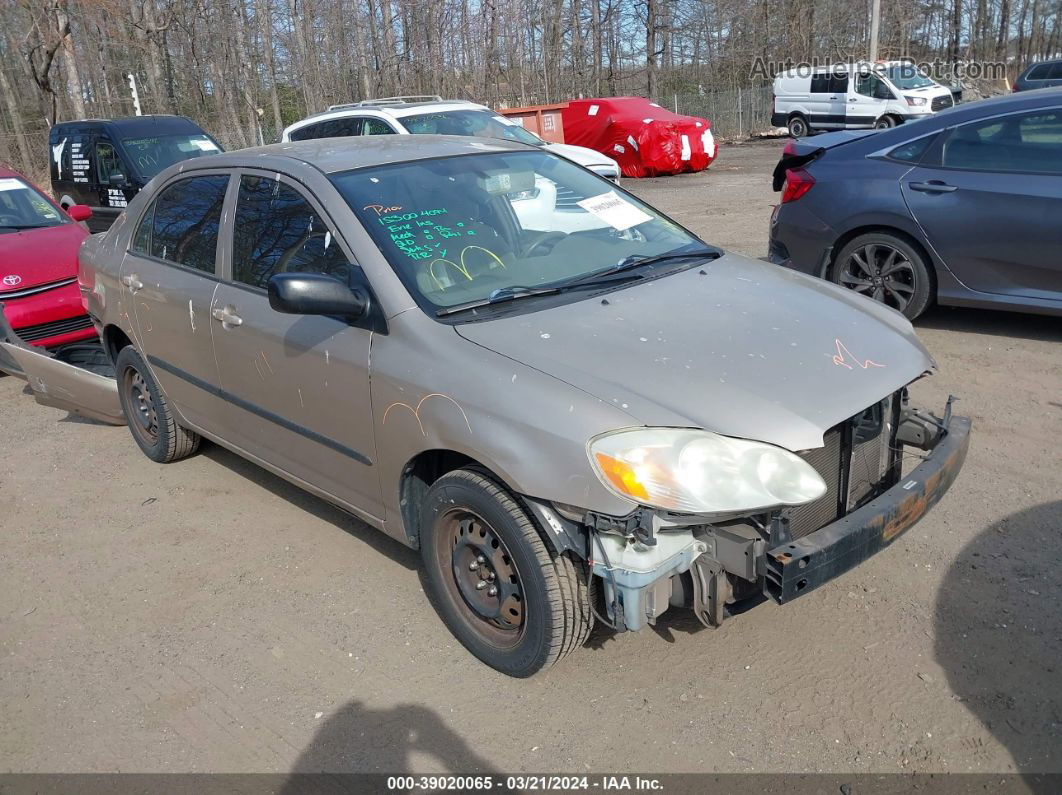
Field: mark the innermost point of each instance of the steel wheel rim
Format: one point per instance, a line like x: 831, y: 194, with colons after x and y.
x: 881, y: 272
x: 145, y: 418
x: 481, y: 577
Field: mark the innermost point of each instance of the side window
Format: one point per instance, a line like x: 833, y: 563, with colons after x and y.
x: 820, y: 84
x: 1025, y: 142
x: 839, y: 84
x: 186, y: 220
x: 306, y: 133
x: 872, y: 86
x: 1040, y: 72
x: 912, y: 152
x: 338, y: 128
x: 142, y: 238
x: 1056, y: 71
x: 377, y: 127
x: 107, y: 162
x: 277, y: 231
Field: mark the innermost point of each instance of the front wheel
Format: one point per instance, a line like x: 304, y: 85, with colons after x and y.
x: 885, y: 123
x: 500, y: 591
x: 886, y: 268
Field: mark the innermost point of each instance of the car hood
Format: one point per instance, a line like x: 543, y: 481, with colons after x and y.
x: 739, y: 346
x: 39, y: 256
x: 582, y: 155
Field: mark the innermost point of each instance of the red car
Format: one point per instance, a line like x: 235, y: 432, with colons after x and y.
x: 38, y: 264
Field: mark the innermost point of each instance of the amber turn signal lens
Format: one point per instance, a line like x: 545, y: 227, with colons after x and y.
x: 622, y: 476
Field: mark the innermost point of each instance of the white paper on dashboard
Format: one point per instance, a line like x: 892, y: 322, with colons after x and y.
x: 10, y: 184
x: 614, y: 210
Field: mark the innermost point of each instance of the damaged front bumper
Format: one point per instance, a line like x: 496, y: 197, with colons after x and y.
x: 796, y: 568
x: 648, y: 561
x: 78, y: 378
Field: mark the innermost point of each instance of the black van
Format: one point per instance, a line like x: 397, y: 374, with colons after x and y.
x: 104, y: 162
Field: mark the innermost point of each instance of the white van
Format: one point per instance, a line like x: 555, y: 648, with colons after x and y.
x: 854, y: 96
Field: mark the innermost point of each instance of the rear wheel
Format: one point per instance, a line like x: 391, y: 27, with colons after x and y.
x: 886, y: 268
x: 147, y: 411
x: 798, y: 126
x: 500, y: 591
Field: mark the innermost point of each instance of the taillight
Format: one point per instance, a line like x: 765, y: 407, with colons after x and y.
x: 797, y: 183
x: 789, y: 148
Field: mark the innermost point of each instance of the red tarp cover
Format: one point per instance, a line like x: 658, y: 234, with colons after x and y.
x: 644, y: 138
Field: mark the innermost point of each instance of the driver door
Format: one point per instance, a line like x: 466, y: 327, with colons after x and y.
x: 867, y: 99
x: 297, y: 385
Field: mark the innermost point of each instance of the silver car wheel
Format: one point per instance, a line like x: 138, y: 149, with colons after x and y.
x: 881, y: 272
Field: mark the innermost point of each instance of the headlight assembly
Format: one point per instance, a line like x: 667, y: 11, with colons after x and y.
x: 692, y: 471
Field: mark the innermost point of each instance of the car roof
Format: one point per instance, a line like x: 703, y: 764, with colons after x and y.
x: 391, y: 110
x: 332, y: 155
x: 137, y: 124
x: 6, y: 172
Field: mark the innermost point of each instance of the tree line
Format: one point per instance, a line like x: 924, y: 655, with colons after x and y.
x: 246, y: 68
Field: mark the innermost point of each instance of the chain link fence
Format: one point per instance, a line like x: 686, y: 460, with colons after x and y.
x: 734, y: 114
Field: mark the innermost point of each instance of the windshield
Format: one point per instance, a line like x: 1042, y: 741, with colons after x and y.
x: 24, y: 207
x: 151, y: 155
x: 483, y: 123
x: 906, y: 77
x: 464, y: 229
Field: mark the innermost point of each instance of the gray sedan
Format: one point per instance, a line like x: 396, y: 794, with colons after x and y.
x: 574, y: 408
x: 961, y: 208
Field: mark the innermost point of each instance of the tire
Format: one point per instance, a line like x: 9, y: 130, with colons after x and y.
x: 898, y: 275
x: 885, y: 123
x: 474, y: 531
x: 798, y: 126
x: 148, y: 413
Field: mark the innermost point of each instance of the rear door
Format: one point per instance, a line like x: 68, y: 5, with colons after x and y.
x: 991, y: 202
x: 170, y: 274
x: 297, y: 385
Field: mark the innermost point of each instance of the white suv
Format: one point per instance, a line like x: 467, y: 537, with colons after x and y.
x: 435, y: 116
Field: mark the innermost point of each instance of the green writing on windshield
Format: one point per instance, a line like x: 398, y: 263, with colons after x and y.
x: 424, y: 234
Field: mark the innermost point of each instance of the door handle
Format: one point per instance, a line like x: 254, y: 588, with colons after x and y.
x: 853, y: 99
x: 132, y: 281
x: 933, y: 186
x: 227, y: 316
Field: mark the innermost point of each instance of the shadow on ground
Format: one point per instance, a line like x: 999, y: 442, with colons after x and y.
x: 360, y: 739
x: 999, y: 635
x: 992, y: 322
x: 305, y: 501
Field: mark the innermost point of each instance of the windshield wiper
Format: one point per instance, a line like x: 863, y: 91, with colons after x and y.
x: 20, y: 227
x: 607, y: 276
x: 499, y: 296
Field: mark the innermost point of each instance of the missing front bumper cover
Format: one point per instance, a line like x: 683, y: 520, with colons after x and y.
x: 800, y: 566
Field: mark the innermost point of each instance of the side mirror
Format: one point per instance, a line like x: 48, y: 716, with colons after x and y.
x: 117, y: 180
x: 79, y: 212
x: 314, y: 294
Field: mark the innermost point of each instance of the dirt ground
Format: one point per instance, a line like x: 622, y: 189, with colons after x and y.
x: 207, y: 616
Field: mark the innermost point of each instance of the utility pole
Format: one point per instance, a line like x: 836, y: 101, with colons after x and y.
x: 136, y: 95
x: 875, y: 20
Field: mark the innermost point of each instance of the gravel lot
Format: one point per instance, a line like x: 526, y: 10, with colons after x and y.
x: 207, y: 616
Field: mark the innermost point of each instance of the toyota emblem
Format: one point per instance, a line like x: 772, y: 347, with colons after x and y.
x: 11, y: 280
